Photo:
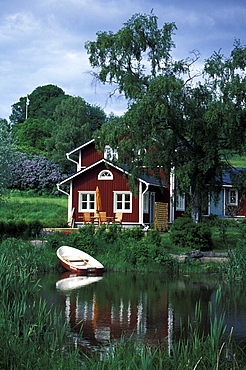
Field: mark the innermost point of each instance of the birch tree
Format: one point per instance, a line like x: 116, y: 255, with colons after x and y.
x: 177, y: 119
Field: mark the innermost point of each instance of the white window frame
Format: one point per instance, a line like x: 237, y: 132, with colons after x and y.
x: 87, y: 201
x: 124, y: 209
x: 146, y: 202
x: 105, y: 175
x: 180, y: 202
x: 110, y: 154
x: 230, y: 196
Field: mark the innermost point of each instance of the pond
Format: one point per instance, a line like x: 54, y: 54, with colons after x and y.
x: 147, y: 306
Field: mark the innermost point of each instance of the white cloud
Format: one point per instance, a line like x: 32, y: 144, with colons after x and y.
x: 43, y: 42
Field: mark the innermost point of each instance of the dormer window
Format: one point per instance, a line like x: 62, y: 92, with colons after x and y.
x: 110, y: 154
x: 105, y: 175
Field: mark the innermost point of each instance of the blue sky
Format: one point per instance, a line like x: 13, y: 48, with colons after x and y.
x: 42, y: 42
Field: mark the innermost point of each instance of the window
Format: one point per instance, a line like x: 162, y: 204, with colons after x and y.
x: 110, y: 154
x: 180, y: 203
x: 105, y: 175
x: 232, y: 199
x: 146, y: 203
x: 122, y: 202
x: 87, y: 201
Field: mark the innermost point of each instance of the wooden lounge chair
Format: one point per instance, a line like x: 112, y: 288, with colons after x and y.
x: 103, y: 218
x: 87, y: 218
x: 118, y: 218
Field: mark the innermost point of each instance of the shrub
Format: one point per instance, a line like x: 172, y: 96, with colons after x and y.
x: 188, y: 234
x: 55, y: 240
x: 154, y: 237
x: 35, y: 173
x: 20, y: 229
x: 84, y: 239
x: 109, y: 236
x: 144, y: 251
x: 135, y: 233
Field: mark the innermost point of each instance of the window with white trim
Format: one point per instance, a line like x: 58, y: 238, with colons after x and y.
x: 180, y: 203
x: 105, y: 175
x: 87, y: 201
x: 232, y: 197
x: 146, y: 202
x: 122, y: 201
x: 110, y: 154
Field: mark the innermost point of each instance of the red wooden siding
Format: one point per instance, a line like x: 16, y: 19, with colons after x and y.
x: 90, y: 155
x: 239, y: 210
x: 89, y: 181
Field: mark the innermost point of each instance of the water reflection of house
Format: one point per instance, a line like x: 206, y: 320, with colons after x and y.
x: 101, y: 323
x: 148, y: 308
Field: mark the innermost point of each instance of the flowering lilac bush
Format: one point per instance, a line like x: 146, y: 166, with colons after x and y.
x: 35, y: 172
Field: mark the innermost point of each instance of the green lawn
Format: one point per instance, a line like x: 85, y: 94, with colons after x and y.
x: 238, y: 161
x: 51, y: 211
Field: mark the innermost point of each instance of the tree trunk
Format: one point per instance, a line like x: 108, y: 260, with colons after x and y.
x: 196, y: 208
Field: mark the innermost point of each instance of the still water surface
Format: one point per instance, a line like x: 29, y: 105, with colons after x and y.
x: 148, y: 306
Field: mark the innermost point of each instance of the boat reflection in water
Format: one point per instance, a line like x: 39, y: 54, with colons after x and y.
x: 70, y: 281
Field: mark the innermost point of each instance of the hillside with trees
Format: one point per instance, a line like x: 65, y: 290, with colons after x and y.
x: 43, y: 127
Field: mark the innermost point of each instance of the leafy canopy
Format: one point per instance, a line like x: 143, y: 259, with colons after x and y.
x: 174, y: 121
x: 123, y: 57
x: 40, y: 104
x: 74, y: 123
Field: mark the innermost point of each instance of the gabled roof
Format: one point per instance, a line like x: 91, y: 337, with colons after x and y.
x: 147, y: 179
x: 80, y: 147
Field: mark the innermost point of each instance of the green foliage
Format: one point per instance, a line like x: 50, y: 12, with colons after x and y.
x: 53, y: 123
x: 20, y: 229
x: 187, y: 234
x: 120, y: 55
x: 172, y: 121
x: 135, y: 233
x: 84, y: 239
x: 75, y: 121
x: 236, y: 267
x: 105, y: 237
x: 40, y: 104
x: 31, y: 135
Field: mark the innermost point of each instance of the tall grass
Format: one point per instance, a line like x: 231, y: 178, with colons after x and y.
x: 34, y: 335
x: 235, y: 269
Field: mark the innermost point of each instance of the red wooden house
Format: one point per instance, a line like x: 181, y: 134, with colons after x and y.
x: 96, y: 169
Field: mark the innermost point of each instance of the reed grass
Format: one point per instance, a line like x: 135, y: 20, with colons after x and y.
x: 34, y: 335
x: 235, y: 270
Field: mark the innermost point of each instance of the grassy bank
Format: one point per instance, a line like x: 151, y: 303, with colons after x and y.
x: 118, y: 250
x: 35, y: 336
